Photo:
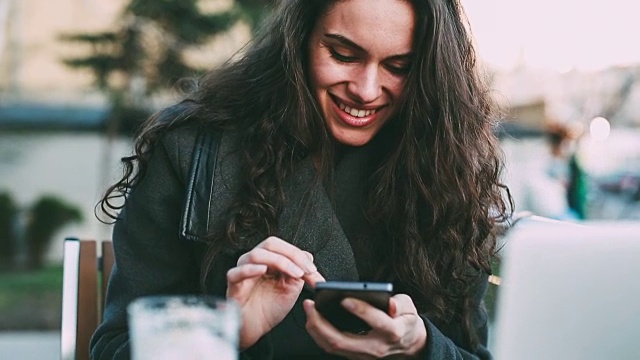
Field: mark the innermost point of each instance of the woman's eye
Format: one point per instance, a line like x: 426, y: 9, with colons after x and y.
x: 398, y: 69
x: 342, y: 58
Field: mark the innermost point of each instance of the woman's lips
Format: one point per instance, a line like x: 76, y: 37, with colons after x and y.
x: 354, y: 117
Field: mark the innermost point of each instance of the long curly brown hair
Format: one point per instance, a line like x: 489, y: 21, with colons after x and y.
x: 436, y: 194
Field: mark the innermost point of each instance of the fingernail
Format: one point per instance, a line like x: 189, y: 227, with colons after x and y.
x: 296, y: 271
x: 308, y: 305
x: 310, y: 267
x: 349, y: 304
x: 309, y: 255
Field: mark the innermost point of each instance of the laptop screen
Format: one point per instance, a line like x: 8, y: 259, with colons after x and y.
x: 569, y: 291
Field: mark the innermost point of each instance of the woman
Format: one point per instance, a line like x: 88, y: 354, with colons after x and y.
x: 351, y: 141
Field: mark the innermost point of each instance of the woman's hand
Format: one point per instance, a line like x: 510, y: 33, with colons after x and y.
x: 266, y: 284
x: 401, y: 333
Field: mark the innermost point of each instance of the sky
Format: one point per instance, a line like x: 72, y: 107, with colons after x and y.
x: 556, y: 34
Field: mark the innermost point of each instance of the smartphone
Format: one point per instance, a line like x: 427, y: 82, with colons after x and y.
x: 328, y: 296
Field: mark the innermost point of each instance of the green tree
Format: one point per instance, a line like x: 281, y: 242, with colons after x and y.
x: 48, y: 215
x: 8, y: 211
x: 145, y: 53
x: 254, y: 10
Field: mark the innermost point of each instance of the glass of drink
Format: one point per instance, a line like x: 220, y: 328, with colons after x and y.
x: 183, y: 327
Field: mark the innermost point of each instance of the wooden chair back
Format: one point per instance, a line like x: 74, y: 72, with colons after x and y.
x: 85, y: 276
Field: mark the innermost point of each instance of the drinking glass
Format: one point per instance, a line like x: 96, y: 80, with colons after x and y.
x: 183, y: 327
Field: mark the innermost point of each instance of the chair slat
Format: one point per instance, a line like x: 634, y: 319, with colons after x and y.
x: 107, y: 265
x: 87, y: 297
x: 80, y: 298
x: 70, y: 279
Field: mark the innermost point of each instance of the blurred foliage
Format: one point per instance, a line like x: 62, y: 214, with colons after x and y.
x: 254, y: 10
x: 48, y: 215
x: 8, y: 211
x: 144, y: 53
x: 49, y: 278
x: 31, y: 300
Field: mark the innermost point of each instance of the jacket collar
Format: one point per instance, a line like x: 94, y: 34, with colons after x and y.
x: 308, y: 219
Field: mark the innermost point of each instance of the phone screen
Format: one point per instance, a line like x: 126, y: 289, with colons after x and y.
x: 328, y: 297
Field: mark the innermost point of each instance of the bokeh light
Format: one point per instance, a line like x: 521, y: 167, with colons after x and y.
x: 599, y: 129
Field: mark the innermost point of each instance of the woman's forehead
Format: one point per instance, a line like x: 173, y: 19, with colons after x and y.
x: 376, y: 25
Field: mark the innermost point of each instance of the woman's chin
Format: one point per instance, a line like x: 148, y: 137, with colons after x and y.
x: 353, y: 140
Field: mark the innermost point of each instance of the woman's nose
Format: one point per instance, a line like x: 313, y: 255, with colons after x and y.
x: 365, y: 87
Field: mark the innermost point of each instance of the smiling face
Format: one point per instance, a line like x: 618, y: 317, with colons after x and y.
x: 359, y: 57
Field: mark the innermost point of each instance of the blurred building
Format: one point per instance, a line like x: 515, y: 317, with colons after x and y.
x: 534, y: 96
x: 30, y: 56
x: 38, y: 92
x: 36, y: 86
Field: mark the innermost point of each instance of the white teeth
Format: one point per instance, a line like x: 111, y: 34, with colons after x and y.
x: 355, y: 112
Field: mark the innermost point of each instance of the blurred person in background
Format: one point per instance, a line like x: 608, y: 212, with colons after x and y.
x: 551, y: 183
x: 351, y: 140
x: 565, y: 170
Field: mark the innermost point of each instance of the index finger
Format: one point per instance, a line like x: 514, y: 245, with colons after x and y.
x: 313, y: 278
x: 294, y: 253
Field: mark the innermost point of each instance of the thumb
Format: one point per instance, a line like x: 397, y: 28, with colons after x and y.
x: 393, y: 307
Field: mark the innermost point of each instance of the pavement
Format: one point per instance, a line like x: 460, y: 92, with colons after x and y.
x: 30, y: 345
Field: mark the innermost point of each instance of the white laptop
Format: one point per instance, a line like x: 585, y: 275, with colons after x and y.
x: 569, y: 291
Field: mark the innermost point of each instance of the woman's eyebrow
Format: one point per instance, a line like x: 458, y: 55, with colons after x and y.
x: 401, y: 57
x: 347, y: 42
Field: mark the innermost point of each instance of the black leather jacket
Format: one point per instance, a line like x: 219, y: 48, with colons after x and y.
x: 158, y: 248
